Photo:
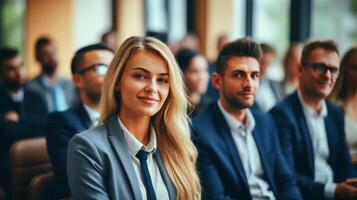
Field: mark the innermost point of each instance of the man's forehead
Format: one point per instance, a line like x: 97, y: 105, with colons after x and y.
x: 242, y: 63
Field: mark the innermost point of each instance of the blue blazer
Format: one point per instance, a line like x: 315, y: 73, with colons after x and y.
x: 61, y: 127
x: 99, y: 165
x: 220, y: 168
x: 297, y: 146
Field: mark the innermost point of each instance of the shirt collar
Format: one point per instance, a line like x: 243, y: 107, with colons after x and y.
x: 135, y: 145
x: 235, y: 124
x: 93, y: 115
x: 309, y: 111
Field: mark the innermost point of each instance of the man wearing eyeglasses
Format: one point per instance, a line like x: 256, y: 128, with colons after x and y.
x: 311, y: 129
x: 89, y: 66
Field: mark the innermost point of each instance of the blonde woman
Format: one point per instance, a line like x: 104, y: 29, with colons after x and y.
x: 142, y: 147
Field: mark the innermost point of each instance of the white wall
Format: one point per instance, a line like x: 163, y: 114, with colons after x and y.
x: 91, y: 19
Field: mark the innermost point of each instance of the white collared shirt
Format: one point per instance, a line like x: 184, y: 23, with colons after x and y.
x: 156, y: 178
x: 93, y: 115
x: 316, y: 125
x: 249, y: 154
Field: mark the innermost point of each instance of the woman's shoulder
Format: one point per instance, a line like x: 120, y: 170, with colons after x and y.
x: 96, y: 136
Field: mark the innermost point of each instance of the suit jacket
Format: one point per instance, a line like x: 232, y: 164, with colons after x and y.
x: 32, y: 114
x: 219, y: 164
x: 61, y: 127
x: 99, y: 165
x: 297, y: 146
x: 37, y: 86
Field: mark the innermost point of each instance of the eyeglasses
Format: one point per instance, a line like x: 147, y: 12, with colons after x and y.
x: 101, y: 69
x: 320, y: 69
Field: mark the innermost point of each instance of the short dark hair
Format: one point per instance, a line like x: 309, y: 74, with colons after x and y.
x: 79, y: 55
x: 242, y: 47
x: 267, y: 48
x: 327, y: 45
x: 40, y: 43
x: 7, y: 53
x: 184, y: 57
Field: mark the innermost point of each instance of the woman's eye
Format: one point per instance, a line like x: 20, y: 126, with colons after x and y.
x: 163, y: 80
x: 139, y: 76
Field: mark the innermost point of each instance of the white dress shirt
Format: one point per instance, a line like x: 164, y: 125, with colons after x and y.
x: 17, y: 97
x: 316, y: 125
x: 156, y: 179
x: 93, y: 115
x: 249, y: 155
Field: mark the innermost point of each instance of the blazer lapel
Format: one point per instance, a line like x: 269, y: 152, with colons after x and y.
x: 171, y: 189
x: 83, y: 115
x: 117, y: 139
x: 298, y: 110
x: 228, y: 140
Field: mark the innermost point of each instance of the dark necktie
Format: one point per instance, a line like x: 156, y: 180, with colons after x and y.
x: 142, y: 156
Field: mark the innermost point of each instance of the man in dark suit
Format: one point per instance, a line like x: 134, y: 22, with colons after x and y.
x: 57, y: 92
x: 239, y: 156
x: 21, y: 111
x: 311, y: 130
x: 89, y: 66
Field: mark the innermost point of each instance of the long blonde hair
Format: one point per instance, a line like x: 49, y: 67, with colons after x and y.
x: 171, y: 123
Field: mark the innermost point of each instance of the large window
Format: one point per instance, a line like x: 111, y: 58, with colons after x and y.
x: 335, y: 20
x: 271, y: 25
x: 12, y: 20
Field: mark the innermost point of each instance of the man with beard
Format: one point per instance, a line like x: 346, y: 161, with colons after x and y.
x: 89, y: 66
x: 58, y: 92
x: 20, y: 110
x: 238, y: 151
x: 311, y: 129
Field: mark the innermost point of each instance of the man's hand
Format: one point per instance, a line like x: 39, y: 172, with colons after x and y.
x: 347, y: 189
x: 12, y: 116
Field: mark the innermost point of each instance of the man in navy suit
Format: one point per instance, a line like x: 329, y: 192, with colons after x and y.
x: 311, y: 130
x: 21, y: 111
x: 239, y: 156
x: 88, y: 67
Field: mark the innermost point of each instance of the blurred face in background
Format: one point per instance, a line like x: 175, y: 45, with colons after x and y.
x: 12, y: 73
x: 267, y: 59
x: 48, y: 58
x: 352, y: 73
x: 196, y: 75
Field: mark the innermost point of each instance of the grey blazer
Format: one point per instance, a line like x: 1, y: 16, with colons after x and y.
x: 99, y: 165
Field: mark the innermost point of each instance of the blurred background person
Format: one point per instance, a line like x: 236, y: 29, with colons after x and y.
x: 57, y: 92
x: 270, y: 91
x: 89, y: 66
x: 195, y: 70
x: 190, y: 41
x: 291, y: 64
x: 110, y: 39
x: 21, y: 111
x: 345, y: 94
